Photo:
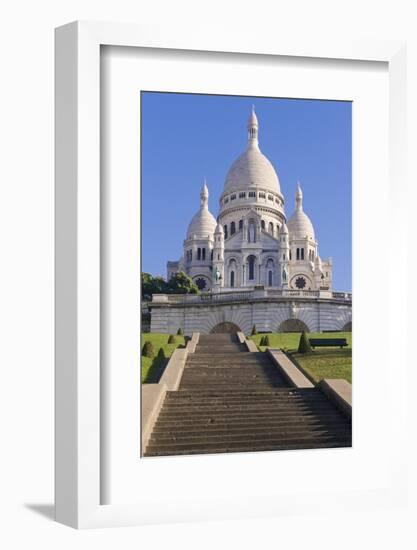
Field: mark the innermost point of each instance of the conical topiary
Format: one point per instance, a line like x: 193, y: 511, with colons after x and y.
x: 254, y: 331
x: 304, y: 345
x: 180, y: 332
x: 148, y: 349
x: 266, y: 341
x: 171, y: 339
x: 161, y: 354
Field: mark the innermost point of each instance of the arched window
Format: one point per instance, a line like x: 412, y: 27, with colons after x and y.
x: 251, y: 232
x: 277, y: 229
x: 251, y: 265
x: 232, y: 279
x: 240, y: 224
x: 204, y: 254
x: 302, y: 253
x: 312, y: 255
x: 198, y: 253
x: 232, y: 228
x: 211, y: 255
x: 191, y: 255
x: 271, y: 228
x: 298, y: 254
x: 290, y: 254
x: 283, y: 256
x: 269, y: 278
x: 263, y: 224
x: 225, y: 231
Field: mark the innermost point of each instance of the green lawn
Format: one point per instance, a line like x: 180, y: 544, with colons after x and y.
x: 322, y: 362
x: 150, y: 368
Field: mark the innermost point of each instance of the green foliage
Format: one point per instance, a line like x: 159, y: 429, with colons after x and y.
x: 304, y: 344
x: 179, y: 283
x: 152, y: 285
x: 254, y: 331
x: 180, y: 332
x: 150, y: 365
x: 148, y: 350
x: 266, y: 341
x: 171, y: 339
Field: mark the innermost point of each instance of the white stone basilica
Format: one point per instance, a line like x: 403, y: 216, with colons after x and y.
x: 252, y: 244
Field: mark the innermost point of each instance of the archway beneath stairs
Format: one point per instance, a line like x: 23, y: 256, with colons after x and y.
x: 225, y: 328
x: 293, y: 325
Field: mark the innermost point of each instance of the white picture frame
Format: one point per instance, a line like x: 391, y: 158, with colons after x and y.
x: 78, y: 265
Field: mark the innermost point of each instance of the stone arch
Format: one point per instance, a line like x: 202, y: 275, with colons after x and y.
x: 293, y: 325
x: 226, y: 327
x: 347, y: 327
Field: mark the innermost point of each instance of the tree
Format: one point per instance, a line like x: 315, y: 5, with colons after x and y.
x: 180, y: 332
x: 152, y: 285
x: 171, y: 339
x: 254, y: 331
x: 148, y: 349
x: 266, y: 341
x: 304, y: 344
x: 180, y: 283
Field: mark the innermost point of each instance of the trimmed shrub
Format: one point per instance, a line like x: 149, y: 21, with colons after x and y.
x: 161, y: 354
x: 148, y: 349
x: 254, y: 331
x: 304, y: 345
x: 266, y: 341
x: 180, y: 332
x: 171, y: 339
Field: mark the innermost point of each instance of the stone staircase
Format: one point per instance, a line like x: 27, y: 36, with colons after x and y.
x: 230, y: 400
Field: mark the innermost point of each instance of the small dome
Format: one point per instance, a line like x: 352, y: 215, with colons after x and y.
x: 283, y: 229
x: 252, y: 168
x: 299, y: 225
x: 203, y: 223
x: 219, y: 229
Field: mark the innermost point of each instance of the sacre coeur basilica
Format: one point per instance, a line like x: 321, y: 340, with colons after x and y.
x: 252, y: 265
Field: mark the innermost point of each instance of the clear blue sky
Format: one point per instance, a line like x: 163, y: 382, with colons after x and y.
x: 187, y: 137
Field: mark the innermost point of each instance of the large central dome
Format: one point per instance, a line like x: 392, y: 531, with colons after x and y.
x: 252, y: 168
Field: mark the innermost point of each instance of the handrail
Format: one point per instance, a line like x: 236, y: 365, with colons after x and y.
x: 247, y: 295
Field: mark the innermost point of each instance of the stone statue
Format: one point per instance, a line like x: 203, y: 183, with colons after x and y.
x: 217, y: 275
x: 284, y: 275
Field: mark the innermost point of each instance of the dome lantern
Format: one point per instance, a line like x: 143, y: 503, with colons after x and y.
x: 253, y: 127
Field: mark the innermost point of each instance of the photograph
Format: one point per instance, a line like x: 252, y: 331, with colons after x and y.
x: 246, y: 273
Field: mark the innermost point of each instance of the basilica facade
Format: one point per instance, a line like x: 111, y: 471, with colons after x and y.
x: 252, y: 244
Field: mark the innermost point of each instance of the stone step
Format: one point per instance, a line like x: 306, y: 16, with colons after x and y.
x: 270, y: 444
x: 239, y: 400
x: 244, y: 420
x: 259, y: 413
x: 276, y: 392
x: 281, y: 434
x: 194, y: 427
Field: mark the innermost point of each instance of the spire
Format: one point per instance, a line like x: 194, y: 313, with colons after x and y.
x: 204, y: 195
x: 298, y: 198
x: 253, y: 127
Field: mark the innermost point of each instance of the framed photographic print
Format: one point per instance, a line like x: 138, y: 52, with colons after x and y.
x: 223, y: 215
